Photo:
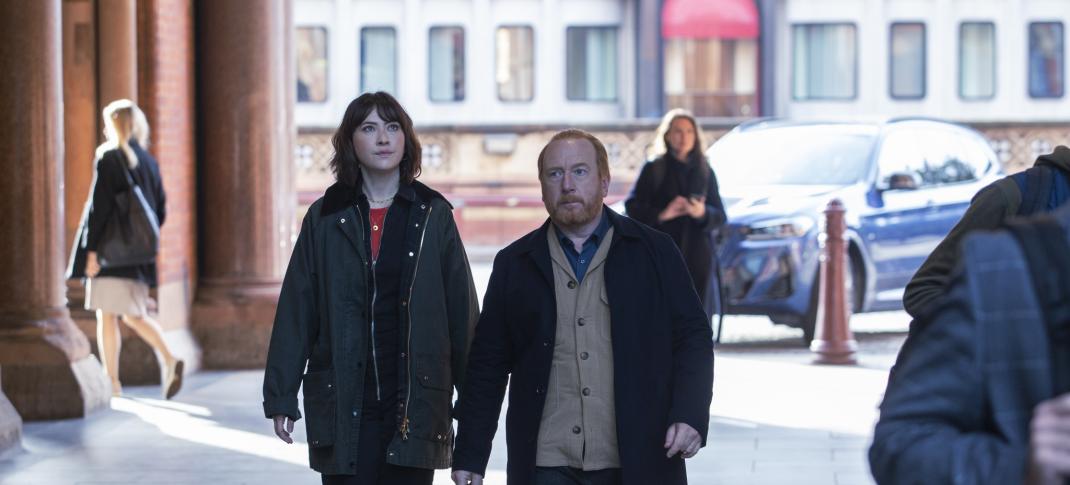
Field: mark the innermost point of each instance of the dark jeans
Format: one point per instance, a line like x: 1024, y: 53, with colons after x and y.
x: 563, y: 475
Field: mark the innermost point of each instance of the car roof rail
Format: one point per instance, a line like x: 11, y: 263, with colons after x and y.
x: 751, y: 123
x: 900, y: 119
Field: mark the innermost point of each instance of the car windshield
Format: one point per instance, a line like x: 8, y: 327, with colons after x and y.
x: 818, y: 155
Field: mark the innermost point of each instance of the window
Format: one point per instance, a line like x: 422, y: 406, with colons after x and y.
x: 311, y: 46
x: 591, y: 63
x: 446, y: 64
x: 515, y: 63
x: 712, y: 77
x: 906, y: 61
x: 378, y: 57
x: 825, y: 61
x: 1046, y: 59
x: 977, y: 60
x: 918, y: 158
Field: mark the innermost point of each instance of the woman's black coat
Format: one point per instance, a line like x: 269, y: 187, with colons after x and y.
x: 659, y: 182
x: 109, y: 181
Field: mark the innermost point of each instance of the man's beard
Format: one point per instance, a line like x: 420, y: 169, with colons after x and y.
x: 571, y: 216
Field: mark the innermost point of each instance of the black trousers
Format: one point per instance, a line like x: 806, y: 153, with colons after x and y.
x: 563, y: 475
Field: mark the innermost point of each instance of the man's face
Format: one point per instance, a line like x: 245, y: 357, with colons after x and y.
x: 572, y: 188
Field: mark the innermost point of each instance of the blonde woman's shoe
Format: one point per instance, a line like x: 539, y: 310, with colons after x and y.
x: 173, y: 382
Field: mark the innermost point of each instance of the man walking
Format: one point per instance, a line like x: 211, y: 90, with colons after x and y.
x: 594, y: 318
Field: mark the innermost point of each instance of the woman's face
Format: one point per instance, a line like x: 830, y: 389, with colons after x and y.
x: 681, y: 137
x: 379, y: 144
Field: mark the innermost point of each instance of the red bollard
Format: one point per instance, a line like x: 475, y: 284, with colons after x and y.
x: 833, y: 342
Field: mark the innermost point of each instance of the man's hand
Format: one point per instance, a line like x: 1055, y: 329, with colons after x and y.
x: 696, y: 207
x: 676, y: 208
x: 682, y: 439
x: 283, y: 427
x: 92, y: 266
x: 462, y: 477
x: 1049, y: 441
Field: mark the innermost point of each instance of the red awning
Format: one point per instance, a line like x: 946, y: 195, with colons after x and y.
x: 705, y: 19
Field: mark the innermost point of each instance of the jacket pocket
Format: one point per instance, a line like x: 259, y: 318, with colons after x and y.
x: 433, y: 372
x: 320, y: 408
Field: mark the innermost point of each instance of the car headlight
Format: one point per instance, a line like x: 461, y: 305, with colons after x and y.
x: 779, y: 228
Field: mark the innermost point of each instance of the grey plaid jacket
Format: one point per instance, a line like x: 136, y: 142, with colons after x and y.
x: 961, y: 395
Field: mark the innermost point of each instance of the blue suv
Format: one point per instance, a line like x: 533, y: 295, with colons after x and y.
x: 905, y: 183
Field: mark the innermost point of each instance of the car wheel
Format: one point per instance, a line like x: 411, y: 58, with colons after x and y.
x: 809, y: 321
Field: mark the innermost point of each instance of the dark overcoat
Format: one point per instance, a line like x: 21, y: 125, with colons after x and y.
x: 662, y: 354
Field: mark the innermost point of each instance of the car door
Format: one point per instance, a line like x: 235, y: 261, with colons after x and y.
x: 916, y: 203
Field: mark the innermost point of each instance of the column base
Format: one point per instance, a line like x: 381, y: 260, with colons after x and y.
x: 233, y: 324
x: 10, y: 425
x: 47, y: 372
x: 138, y: 365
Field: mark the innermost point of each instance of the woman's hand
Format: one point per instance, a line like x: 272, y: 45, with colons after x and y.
x: 92, y: 267
x: 678, y: 207
x: 696, y: 207
x: 284, y: 425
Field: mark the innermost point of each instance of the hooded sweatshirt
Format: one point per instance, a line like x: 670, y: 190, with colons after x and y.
x: 988, y: 210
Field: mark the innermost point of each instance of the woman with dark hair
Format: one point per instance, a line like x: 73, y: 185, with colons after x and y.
x: 376, y: 312
x: 677, y: 193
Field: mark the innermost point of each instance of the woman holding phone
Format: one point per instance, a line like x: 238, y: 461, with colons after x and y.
x: 677, y: 193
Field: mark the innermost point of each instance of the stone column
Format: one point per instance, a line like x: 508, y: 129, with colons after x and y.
x: 245, y: 119
x: 45, y: 366
x: 117, y: 47
x: 649, y: 79
x: 10, y: 423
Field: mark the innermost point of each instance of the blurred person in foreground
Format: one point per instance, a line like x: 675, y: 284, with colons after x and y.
x: 676, y: 193
x: 594, y: 323
x: 980, y: 393
x: 376, y: 312
x: 1039, y: 189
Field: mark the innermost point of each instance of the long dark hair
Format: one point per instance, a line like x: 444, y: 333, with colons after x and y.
x: 344, y: 163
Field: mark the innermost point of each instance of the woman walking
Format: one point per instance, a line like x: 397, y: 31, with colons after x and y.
x: 376, y: 312
x: 122, y: 292
x: 677, y: 193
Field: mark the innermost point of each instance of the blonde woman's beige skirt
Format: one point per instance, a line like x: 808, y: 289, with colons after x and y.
x: 122, y: 296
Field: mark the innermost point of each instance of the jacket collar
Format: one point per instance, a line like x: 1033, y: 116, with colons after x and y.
x: 537, y: 245
x: 341, y: 195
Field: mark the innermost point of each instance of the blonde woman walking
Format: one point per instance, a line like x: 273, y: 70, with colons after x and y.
x: 121, y: 291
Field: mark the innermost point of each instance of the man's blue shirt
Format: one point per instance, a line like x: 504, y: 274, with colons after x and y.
x: 581, y: 260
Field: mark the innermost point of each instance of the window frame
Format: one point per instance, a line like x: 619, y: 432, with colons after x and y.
x: 924, y: 60
x: 360, y: 34
x: 616, y: 75
x: 326, y: 68
x: 995, y: 60
x: 464, y: 62
x: 1029, y: 52
x: 854, y: 85
x: 534, y: 63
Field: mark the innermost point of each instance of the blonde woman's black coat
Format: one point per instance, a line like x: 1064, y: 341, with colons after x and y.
x: 108, y: 182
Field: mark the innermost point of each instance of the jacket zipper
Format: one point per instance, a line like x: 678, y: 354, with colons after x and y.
x: 408, y: 345
x: 371, y: 313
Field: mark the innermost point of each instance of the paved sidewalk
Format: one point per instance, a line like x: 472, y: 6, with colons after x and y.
x: 776, y: 420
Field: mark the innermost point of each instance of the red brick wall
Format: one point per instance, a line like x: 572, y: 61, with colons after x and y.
x: 166, y: 93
